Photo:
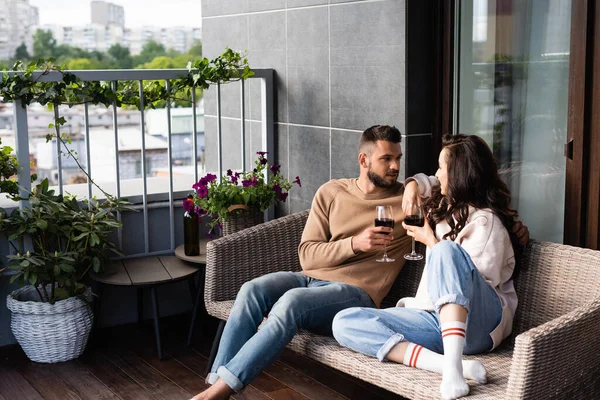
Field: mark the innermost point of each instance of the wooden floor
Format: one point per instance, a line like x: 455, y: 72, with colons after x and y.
x: 121, y: 363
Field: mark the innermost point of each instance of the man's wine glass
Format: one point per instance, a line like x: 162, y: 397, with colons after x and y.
x: 385, y: 218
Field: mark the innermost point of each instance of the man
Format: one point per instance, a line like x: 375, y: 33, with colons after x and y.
x: 337, y: 253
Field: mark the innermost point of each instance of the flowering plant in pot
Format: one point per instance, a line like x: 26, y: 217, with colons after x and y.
x: 241, y: 192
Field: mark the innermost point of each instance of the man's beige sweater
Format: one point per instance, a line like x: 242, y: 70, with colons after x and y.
x: 339, y: 211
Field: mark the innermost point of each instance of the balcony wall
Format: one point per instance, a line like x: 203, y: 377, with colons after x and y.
x: 341, y: 66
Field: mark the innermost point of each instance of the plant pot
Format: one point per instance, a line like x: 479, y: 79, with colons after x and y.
x: 242, y: 217
x: 50, y: 333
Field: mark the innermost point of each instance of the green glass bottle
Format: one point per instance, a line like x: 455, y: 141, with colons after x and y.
x: 191, y: 233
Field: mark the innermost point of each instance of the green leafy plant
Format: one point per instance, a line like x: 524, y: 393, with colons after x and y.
x: 249, y: 188
x: 9, y: 167
x: 69, y: 238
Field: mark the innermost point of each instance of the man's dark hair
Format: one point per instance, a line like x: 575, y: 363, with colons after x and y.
x: 378, y: 132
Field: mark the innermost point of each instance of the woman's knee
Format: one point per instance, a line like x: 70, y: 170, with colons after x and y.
x: 447, y: 255
x: 346, y: 320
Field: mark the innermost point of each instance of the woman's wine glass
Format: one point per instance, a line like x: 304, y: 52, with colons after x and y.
x: 415, y: 218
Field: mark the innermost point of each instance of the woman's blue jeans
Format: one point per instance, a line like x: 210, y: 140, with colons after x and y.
x: 291, y: 301
x: 452, y: 278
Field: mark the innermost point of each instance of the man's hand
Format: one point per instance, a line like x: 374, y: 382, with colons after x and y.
x: 522, y: 232
x: 372, y: 239
x: 410, y: 197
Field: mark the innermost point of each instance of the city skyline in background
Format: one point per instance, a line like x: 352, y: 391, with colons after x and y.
x: 138, y: 13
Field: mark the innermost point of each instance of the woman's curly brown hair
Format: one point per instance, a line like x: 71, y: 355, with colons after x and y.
x: 472, y: 180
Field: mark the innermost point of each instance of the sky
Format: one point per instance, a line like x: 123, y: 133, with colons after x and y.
x: 162, y: 13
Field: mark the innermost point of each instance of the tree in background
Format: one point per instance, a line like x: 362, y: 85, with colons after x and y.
x: 44, y: 44
x: 161, y: 62
x: 196, y: 49
x: 21, y: 53
x: 149, y: 52
x: 121, y: 56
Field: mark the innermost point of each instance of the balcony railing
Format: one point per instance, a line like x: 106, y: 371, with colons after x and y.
x: 148, y: 192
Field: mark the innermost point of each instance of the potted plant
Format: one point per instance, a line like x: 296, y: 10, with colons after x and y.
x: 9, y: 167
x: 240, y: 199
x: 51, y: 313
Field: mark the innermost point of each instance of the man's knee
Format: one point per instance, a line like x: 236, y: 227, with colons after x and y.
x: 289, y: 307
x: 249, y: 290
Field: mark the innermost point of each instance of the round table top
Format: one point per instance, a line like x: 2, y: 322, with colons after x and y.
x: 144, y: 271
x: 199, y: 259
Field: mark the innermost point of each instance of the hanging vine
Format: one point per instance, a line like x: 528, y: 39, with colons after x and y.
x: 19, y: 84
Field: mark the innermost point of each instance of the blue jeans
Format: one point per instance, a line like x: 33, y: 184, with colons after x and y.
x: 291, y: 301
x: 452, y: 278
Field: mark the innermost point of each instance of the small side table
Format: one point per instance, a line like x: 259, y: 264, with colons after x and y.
x: 200, y: 260
x: 149, y: 272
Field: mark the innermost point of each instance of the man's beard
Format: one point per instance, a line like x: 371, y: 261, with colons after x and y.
x: 379, y: 180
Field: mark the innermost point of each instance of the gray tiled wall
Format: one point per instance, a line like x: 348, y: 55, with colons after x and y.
x: 340, y: 68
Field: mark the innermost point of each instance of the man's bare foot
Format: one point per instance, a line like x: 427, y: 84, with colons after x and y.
x: 218, y: 391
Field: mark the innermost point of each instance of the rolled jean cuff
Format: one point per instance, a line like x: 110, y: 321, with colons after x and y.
x: 388, y: 345
x: 454, y: 299
x: 212, y: 378
x: 230, y: 379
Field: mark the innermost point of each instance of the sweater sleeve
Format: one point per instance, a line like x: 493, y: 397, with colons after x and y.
x: 488, y: 244
x: 424, y: 182
x: 316, y: 250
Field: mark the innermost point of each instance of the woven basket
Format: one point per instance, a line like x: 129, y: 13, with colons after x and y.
x: 242, y: 217
x: 50, y: 333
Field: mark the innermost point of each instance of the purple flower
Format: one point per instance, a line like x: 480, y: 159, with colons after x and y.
x: 201, y: 182
x: 263, y: 161
x: 277, y: 188
x: 255, y: 170
x: 275, y: 168
x: 229, y: 172
x: 297, y: 181
x: 199, y: 210
x: 250, y: 182
x: 188, y: 205
x: 282, y: 196
x: 234, y: 179
x: 202, y: 191
x: 261, y: 153
x: 210, y: 177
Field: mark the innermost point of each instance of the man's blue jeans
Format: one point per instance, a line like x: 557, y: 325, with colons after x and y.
x: 291, y: 301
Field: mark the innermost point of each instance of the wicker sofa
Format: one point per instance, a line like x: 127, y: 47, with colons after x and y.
x: 554, y: 351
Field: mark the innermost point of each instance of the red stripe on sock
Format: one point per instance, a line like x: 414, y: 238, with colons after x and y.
x: 412, y: 355
x: 453, y: 334
x: 417, y: 355
x: 453, y: 329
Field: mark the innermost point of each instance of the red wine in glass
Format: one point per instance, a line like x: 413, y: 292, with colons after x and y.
x: 387, y: 222
x: 414, y: 220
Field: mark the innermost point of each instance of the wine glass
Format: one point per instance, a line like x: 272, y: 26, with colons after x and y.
x: 385, y: 218
x: 415, y: 218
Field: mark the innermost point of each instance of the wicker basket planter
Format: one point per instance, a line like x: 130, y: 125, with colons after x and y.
x: 47, y: 332
x: 242, y: 217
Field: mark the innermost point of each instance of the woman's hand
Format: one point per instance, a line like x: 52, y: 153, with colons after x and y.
x: 422, y: 234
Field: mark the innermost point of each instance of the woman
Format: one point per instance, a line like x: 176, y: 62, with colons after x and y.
x: 466, y: 299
